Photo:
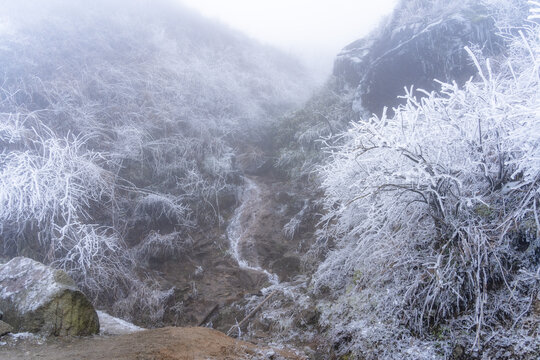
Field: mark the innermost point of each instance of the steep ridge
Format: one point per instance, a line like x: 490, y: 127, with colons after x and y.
x: 421, y: 42
x: 366, y: 275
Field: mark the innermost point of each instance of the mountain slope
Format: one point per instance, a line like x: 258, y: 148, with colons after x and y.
x: 120, y: 122
x: 432, y: 210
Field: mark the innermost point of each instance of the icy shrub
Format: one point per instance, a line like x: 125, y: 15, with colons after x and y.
x: 435, y: 214
x: 302, y: 134
x: 144, y: 304
x: 158, y: 245
x: 48, y: 185
x: 161, y: 206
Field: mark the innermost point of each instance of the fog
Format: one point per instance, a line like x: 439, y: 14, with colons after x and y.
x: 314, y: 31
x: 173, y: 164
x: 159, y: 97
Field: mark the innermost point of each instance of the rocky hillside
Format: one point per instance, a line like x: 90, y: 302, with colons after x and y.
x: 44, y: 315
x: 148, y: 153
x: 421, y: 42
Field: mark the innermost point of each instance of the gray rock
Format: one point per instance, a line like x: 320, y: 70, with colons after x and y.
x: 5, y: 328
x: 414, y: 51
x: 39, y: 299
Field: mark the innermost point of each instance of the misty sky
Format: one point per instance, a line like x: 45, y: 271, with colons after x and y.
x: 314, y: 30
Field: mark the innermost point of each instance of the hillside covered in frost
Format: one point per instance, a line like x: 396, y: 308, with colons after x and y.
x: 120, y: 123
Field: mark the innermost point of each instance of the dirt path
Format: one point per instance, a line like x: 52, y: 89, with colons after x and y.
x: 157, y: 344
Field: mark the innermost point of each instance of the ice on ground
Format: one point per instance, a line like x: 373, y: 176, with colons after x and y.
x: 109, y: 325
x: 23, y: 336
x: 11, y: 339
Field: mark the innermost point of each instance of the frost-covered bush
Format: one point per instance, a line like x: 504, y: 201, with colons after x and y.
x: 300, y: 136
x: 435, y: 215
x: 162, y: 246
x: 507, y: 12
x: 51, y: 187
x: 161, y: 206
x: 288, y: 315
x: 144, y: 304
x: 292, y: 227
x: 48, y: 186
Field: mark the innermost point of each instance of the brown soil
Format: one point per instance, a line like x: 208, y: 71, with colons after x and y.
x: 157, y: 344
x: 211, y: 290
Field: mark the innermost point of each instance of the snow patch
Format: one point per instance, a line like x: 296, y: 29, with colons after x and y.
x: 109, y: 325
x: 22, y: 336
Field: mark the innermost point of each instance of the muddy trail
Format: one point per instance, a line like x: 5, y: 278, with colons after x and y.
x: 157, y: 344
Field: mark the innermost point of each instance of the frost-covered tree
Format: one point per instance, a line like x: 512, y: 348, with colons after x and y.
x: 435, y: 213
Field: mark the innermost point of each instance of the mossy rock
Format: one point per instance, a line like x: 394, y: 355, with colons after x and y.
x: 39, y: 299
x: 5, y: 328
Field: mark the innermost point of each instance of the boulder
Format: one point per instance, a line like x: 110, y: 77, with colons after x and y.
x: 5, y: 328
x: 39, y: 299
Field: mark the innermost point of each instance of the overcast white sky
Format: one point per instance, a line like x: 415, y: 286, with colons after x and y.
x: 314, y: 30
